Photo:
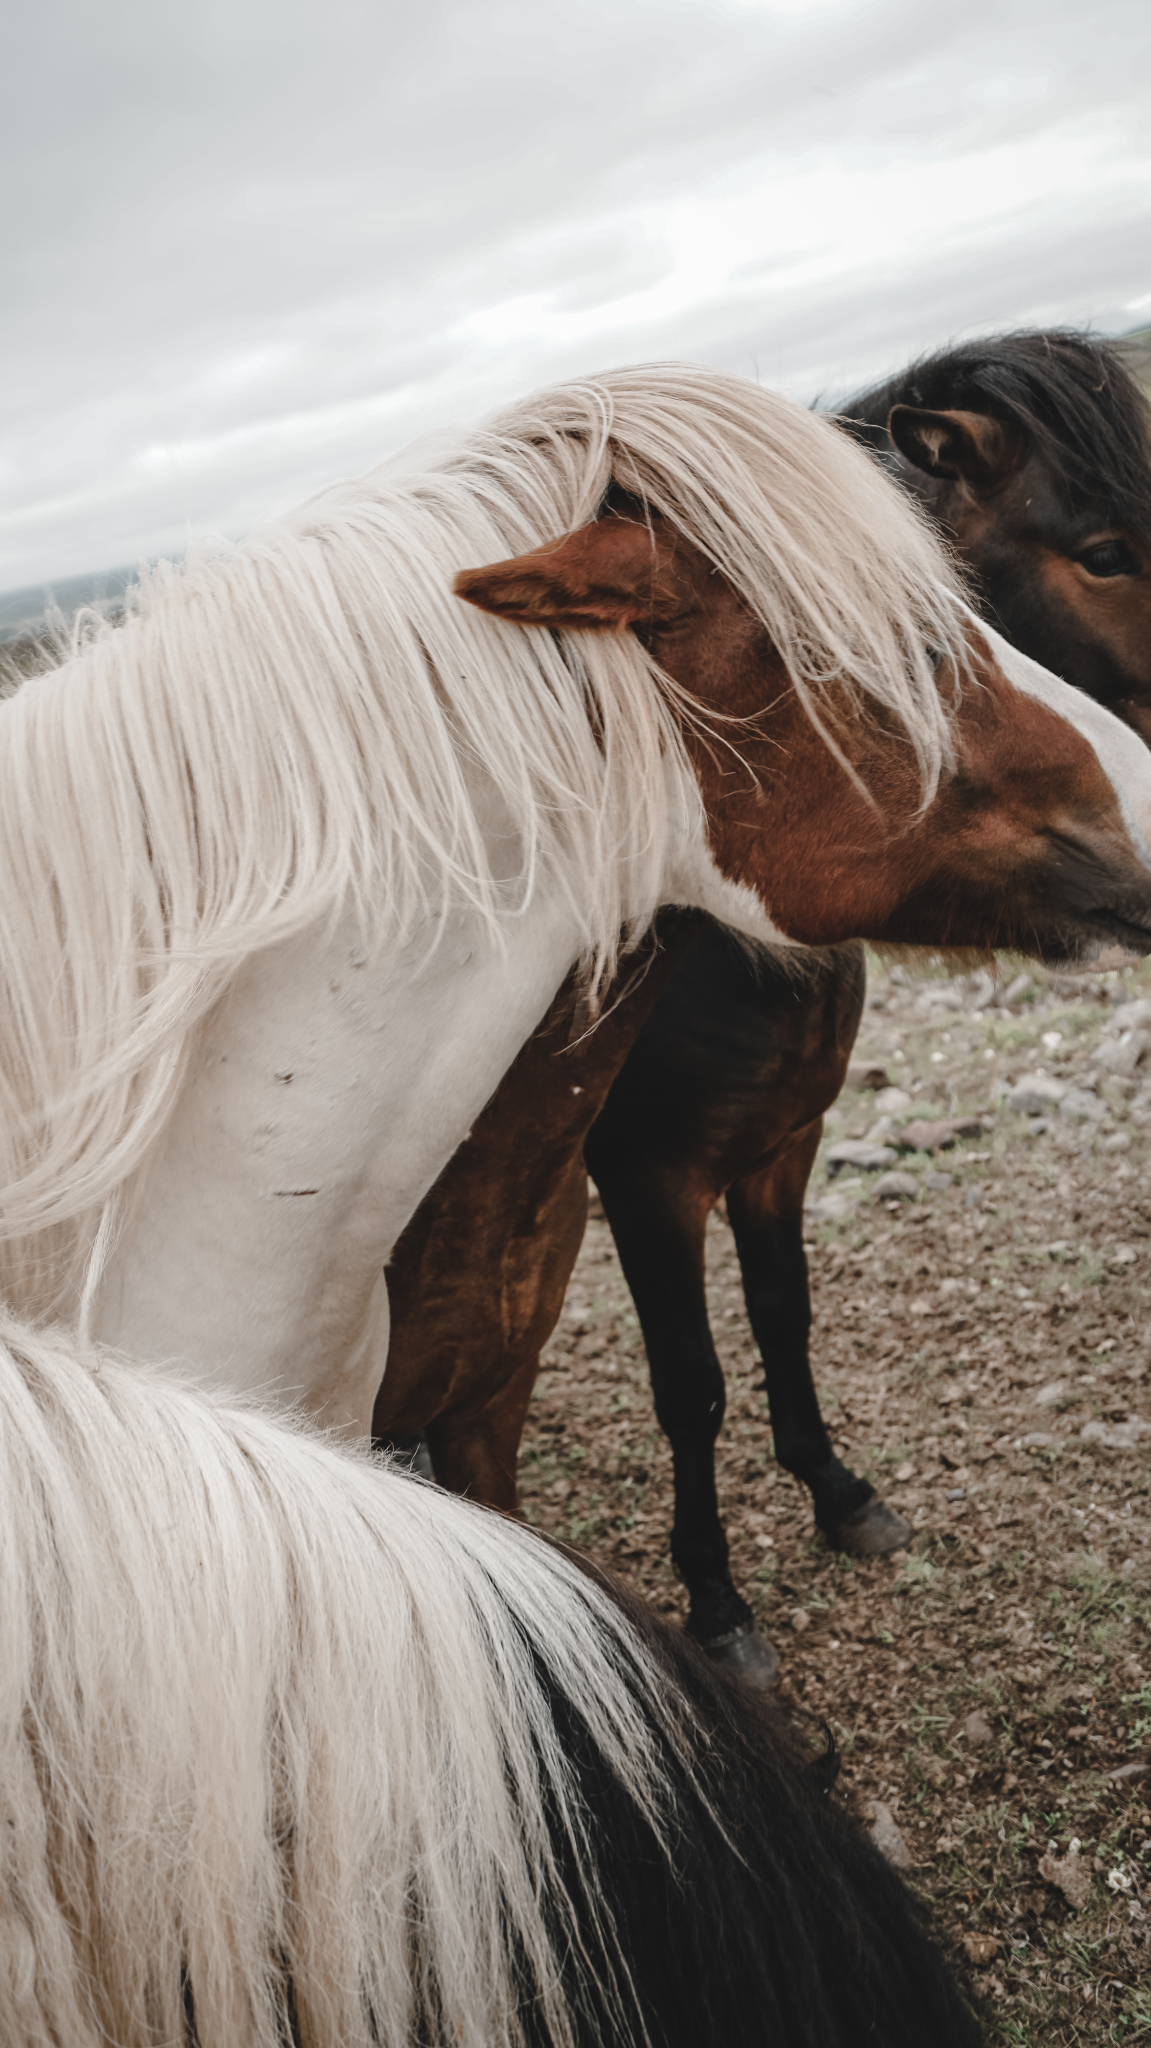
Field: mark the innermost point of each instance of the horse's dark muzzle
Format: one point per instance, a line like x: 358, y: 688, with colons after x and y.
x: 1098, y: 893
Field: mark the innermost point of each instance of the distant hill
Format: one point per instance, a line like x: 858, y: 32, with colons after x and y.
x: 23, y: 612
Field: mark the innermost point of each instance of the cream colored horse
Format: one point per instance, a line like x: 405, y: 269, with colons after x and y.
x: 295, y: 860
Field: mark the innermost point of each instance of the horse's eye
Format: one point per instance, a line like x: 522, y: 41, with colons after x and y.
x: 1110, y: 558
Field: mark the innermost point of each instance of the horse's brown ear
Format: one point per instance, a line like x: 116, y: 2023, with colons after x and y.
x: 608, y: 576
x: 970, y: 445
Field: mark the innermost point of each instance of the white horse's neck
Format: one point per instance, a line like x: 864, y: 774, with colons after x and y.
x: 324, y: 1096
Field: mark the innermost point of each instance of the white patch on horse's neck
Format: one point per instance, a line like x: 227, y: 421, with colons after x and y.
x: 325, y: 1095
x: 1123, y: 757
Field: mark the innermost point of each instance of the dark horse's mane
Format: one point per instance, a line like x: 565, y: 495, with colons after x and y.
x: 1073, y: 398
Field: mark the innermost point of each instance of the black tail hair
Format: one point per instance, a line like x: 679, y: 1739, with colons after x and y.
x: 781, y: 1925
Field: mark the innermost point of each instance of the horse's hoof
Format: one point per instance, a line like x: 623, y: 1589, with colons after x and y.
x: 747, y: 1655
x: 874, y: 1530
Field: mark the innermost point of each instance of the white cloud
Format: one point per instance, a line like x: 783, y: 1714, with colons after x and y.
x: 260, y: 244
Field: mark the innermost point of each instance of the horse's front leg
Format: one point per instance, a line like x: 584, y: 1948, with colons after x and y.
x: 476, y: 1451
x: 765, y: 1210
x: 659, y: 1226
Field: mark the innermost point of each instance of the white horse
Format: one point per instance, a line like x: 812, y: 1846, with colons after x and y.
x: 296, y: 1750
x: 294, y: 861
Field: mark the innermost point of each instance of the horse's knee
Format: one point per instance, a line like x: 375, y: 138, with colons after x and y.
x: 478, y: 1458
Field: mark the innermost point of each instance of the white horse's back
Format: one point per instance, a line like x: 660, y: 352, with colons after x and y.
x: 295, y: 1750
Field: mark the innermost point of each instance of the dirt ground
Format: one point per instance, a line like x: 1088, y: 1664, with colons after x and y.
x: 982, y: 1346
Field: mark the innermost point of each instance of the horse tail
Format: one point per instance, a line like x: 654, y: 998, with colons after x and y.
x: 296, y: 1749
x: 777, y: 1919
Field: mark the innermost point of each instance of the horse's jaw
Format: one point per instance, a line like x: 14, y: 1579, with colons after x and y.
x: 1125, y: 761
x: 695, y: 879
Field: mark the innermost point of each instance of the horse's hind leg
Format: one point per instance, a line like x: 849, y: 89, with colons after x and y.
x: 765, y: 1210
x: 659, y: 1228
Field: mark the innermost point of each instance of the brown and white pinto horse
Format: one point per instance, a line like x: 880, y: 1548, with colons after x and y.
x: 735, y: 1059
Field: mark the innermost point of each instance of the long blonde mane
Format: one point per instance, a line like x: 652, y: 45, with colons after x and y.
x: 269, y: 1713
x: 310, y: 721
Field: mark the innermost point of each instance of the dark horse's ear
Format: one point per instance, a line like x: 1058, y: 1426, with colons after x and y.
x: 610, y: 575
x: 970, y: 445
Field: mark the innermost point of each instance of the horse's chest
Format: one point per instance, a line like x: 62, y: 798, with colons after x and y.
x: 323, y: 1097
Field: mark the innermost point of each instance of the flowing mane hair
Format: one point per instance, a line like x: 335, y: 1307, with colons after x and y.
x: 271, y: 1716
x: 296, y: 1749
x: 309, y: 722
x: 1072, y: 396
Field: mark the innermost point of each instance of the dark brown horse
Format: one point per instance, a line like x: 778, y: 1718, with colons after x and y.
x: 713, y: 1075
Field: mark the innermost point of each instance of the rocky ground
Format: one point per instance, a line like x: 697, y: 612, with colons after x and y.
x: 982, y: 1348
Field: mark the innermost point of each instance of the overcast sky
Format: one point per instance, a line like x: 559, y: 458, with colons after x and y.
x: 252, y: 245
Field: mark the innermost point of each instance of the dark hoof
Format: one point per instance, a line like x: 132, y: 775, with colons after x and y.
x: 874, y: 1530
x: 747, y: 1654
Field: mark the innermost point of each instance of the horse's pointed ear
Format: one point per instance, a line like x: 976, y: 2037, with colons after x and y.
x: 970, y: 445
x: 608, y: 576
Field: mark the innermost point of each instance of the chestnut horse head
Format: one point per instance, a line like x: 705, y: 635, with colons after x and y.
x: 1033, y: 451
x: 1036, y: 837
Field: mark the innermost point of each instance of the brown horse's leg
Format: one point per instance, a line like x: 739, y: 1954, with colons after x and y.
x: 476, y: 1453
x: 659, y: 1223
x: 488, y: 1335
x: 765, y: 1209
x: 475, y: 1446
x: 477, y: 1280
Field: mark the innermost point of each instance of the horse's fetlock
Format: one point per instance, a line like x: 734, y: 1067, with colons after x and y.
x: 716, y: 1610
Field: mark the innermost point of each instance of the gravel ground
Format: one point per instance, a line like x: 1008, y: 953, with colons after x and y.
x: 982, y: 1349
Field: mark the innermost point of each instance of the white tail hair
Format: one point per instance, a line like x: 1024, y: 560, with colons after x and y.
x: 270, y: 1714
x: 302, y: 722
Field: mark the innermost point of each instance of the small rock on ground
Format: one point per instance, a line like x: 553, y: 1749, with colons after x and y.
x: 978, y: 1730
x: 1081, y: 1106
x: 938, y: 1136
x: 860, y: 1152
x: 1070, y: 1875
x: 864, y: 1074
x: 1034, y: 1094
x: 1117, y: 1436
x: 892, y: 1101
x: 1123, y: 1055
x: 980, y: 1948
x: 887, y: 1837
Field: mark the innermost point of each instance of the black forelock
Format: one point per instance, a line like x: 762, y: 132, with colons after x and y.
x: 1073, y: 397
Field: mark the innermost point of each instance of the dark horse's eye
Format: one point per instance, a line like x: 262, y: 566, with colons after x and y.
x: 1110, y: 558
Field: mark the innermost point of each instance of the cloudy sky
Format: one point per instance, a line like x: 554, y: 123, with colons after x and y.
x: 255, y: 244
